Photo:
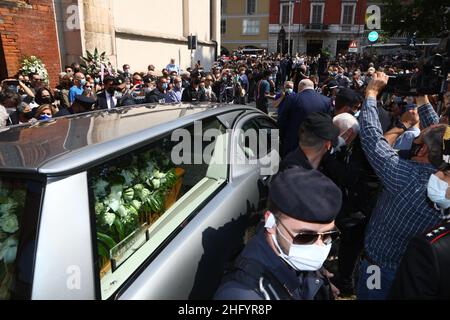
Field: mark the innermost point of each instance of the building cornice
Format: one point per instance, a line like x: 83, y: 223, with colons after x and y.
x: 143, y: 34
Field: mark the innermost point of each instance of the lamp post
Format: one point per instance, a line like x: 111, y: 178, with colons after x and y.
x: 290, y: 18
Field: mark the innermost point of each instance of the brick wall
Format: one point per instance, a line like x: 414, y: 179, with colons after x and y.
x: 29, y: 28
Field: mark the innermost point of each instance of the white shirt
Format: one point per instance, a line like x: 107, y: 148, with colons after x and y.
x: 3, y: 116
x: 108, y: 100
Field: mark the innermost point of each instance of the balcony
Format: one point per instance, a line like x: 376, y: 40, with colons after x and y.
x: 349, y: 28
x: 316, y: 27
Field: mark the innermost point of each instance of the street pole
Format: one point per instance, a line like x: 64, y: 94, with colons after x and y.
x: 289, y: 37
x: 299, y: 24
x: 192, y: 53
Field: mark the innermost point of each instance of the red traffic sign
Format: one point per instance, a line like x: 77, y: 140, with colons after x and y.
x: 353, y: 47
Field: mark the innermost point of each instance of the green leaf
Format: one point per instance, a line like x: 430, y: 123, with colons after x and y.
x: 107, y: 240
x: 120, y: 229
x: 102, y: 250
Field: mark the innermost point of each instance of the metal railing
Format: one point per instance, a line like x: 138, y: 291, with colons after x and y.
x: 316, y: 26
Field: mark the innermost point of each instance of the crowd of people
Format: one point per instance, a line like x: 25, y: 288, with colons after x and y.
x: 357, y: 162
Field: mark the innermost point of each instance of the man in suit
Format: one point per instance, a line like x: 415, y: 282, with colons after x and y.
x: 107, y: 99
x: 296, y: 110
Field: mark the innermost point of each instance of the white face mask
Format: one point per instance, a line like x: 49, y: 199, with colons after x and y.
x: 341, y: 143
x: 437, y: 190
x: 300, y: 257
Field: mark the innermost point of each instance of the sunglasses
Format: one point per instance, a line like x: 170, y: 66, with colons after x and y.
x: 306, y: 238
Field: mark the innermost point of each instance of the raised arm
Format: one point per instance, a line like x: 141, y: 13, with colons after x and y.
x: 427, y: 114
x: 385, y: 161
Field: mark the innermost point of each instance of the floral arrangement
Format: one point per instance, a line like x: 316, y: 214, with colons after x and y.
x: 93, y: 61
x: 127, y: 193
x: 11, y: 203
x: 34, y: 65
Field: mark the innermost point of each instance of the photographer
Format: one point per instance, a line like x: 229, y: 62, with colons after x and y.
x: 403, y: 210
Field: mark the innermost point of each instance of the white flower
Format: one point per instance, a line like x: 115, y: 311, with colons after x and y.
x: 109, y: 218
x: 8, y: 250
x: 122, y: 211
x: 100, y: 187
x: 9, y: 223
x: 156, y: 183
x: 7, y: 207
x: 115, y: 196
x: 128, y: 176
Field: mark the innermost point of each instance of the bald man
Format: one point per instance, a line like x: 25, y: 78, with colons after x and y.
x: 297, y: 108
x: 305, y: 84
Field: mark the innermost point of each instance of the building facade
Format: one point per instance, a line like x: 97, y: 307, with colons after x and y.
x: 28, y: 28
x: 140, y: 32
x: 312, y: 26
x: 245, y: 24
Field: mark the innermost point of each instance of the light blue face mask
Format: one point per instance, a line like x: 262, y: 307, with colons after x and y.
x: 83, y: 82
x: 289, y: 91
x: 165, y: 86
x: 437, y: 190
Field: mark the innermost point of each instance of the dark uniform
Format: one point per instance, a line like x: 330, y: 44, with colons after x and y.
x: 259, y: 272
x: 424, y: 272
x: 258, y: 262
x: 321, y: 125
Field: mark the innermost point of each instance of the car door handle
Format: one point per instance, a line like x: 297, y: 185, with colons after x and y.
x: 265, y: 180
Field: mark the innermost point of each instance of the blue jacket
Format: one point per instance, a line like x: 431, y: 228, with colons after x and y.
x: 299, y: 285
x: 296, y: 109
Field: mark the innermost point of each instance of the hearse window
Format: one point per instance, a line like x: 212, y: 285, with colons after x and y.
x: 19, y: 211
x: 256, y: 138
x: 142, y: 198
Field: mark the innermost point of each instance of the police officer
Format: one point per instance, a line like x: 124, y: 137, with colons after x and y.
x: 317, y: 136
x: 424, y: 270
x: 81, y: 104
x: 284, y: 260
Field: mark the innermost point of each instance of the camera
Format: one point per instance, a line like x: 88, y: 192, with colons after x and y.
x: 12, y: 85
x: 430, y: 79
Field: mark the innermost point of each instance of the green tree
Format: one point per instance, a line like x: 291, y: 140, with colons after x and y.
x: 427, y: 18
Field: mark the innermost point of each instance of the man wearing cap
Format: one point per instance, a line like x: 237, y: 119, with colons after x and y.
x: 285, y: 258
x: 297, y: 107
x: 81, y: 104
x: 331, y: 89
x: 317, y: 136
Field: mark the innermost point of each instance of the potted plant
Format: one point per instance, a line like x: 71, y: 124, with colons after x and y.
x: 93, y: 61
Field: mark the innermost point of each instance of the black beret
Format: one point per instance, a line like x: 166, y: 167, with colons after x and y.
x: 119, y: 80
x: 321, y: 124
x: 332, y: 84
x: 84, y: 101
x: 306, y: 195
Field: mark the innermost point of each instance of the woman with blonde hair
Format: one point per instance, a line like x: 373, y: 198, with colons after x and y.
x: 45, y: 112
